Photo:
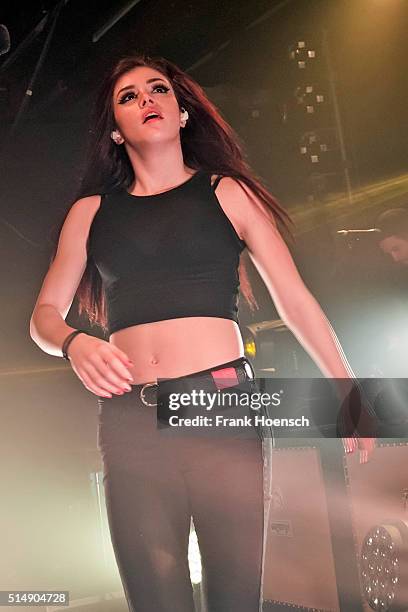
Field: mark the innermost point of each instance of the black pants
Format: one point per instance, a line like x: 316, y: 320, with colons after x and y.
x: 153, y: 485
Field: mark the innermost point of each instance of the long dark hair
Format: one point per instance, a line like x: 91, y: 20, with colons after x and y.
x: 208, y: 143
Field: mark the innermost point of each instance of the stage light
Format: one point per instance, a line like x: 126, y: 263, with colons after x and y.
x: 250, y: 347
x: 307, y: 97
x: 312, y: 145
x: 301, y: 54
x: 384, y: 569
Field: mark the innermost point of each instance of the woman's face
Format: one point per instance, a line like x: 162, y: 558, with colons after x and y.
x: 137, y: 91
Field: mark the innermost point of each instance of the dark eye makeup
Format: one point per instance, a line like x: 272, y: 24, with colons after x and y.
x: 125, y: 97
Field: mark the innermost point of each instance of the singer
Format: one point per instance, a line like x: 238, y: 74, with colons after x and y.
x: 152, y: 247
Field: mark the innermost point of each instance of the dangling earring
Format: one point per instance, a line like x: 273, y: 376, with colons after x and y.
x: 184, y: 117
x: 116, y: 137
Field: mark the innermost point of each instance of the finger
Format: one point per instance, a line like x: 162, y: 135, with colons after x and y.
x: 119, y: 376
x: 363, y: 456
x: 102, y: 381
x: 367, y: 444
x: 372, y: 447
x: 352, y: 444
x: 121, y: 355
x: 98, y: 390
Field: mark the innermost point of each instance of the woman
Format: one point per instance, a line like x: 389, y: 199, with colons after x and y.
x: 153, y: 254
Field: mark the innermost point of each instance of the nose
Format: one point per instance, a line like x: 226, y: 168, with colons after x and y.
x: 143, y: 98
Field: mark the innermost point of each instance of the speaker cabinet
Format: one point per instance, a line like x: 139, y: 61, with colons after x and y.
x: 299, y: 568
x: 338, y: 529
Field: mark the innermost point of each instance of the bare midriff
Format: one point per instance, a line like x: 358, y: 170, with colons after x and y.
x: 177, y: 347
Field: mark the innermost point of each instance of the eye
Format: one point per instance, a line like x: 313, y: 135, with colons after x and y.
x: 165, y: 89
x: 125, y: 98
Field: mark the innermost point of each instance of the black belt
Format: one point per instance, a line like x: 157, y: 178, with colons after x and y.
x: 236, y: 376
x: 209, y: 380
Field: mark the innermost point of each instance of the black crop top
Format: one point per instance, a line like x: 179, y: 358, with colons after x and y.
x: 168, y: 255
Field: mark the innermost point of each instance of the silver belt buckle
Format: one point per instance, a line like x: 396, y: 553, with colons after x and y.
x: 151, y: 384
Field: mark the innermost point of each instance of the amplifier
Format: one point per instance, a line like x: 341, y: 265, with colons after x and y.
x: 338, y: 529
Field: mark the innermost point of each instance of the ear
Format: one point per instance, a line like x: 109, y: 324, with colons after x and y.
x: 117, y: 137
x: 183, y: 117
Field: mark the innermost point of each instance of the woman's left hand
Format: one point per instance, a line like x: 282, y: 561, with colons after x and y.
x: 365, y: 445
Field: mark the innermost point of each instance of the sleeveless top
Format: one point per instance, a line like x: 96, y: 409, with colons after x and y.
x: 168, y: 255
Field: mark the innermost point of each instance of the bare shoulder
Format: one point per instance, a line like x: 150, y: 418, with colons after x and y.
x: 240, y: 204
x: 86, y: 206
x: 75, y: 230
x: 67, y: 268
x: 82, y: 212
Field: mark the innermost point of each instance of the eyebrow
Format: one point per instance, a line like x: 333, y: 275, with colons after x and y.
x: 152, y: 80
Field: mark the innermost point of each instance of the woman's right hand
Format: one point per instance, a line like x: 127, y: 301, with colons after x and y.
x: 101, y: 366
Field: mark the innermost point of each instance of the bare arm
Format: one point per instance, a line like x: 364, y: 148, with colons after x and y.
x: 294, y: 302
x: 48, y: 329
x: 47, y: 324
x: 101, y: 366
